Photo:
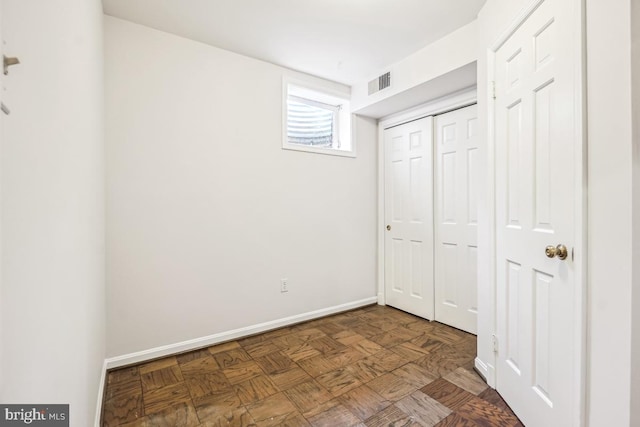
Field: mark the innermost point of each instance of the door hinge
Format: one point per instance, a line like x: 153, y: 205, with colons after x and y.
x: 494, y: 340
x: 493, y: 89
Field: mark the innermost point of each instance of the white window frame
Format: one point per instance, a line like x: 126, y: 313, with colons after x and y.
x: 314, y: 94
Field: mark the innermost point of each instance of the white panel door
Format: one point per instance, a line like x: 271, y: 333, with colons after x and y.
x: 537, y: 154
x: 409, y: 217
x: 456, y: 218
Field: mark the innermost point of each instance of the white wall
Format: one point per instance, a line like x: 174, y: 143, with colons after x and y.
x: 610, y: 203
x: 449, y: 53
x: 205, y: 211
x: 52, y: 192
x: 610, y: 197
x: 635, y: 321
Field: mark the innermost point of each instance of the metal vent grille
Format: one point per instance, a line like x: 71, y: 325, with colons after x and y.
x: 382, y: 82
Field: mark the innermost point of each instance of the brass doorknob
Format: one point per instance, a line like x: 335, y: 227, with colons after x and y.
x: 388, y: 227
x: 559, y: 251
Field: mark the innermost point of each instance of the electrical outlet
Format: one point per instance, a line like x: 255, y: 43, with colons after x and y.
x: 284, y: 285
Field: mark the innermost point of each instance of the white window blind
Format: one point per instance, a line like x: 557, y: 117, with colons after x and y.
x: 311, y: 122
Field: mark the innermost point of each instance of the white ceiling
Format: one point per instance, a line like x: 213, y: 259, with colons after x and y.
x: 342, y: 40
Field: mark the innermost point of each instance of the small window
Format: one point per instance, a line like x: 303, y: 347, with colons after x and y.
x: 316, y: 121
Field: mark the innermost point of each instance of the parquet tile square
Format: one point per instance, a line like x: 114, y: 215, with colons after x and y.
x: 415, y: 375
x: 200, y: 366
x: 394, y: 337
x: 336, y: 416
x: 207, y: 384
x: 255, y: 389
x: 219, y: 348
x: 275, y: 363
x: 122, y: 389
x: 339, y: 381
x: 326, y: 345
x: 347, y: 337
x: 366, y: 369
x: 302, y: 351
x: 467, y: 380
x: 161, y: 377
x: 289, y: 340
x: 418, y: 325
x: 159, y: 399
x: 242, y: 371
x: 273, y: 406
x: 261, y: 349
x: 348, y: 322
x: 231, y: 357
x: 388, y: 360
x: 290, y: 378
x: 123, y: 375
x: 158, y: 364
x: 437, y: 363
x: 180, y: 415
x: 384, y: 325
x: 330, y: 328
x: 424, y: 410
x: 140, y: 422
x: 308, y: 395
x: 252, y: 340
x: 318, y: 365
x: 492, y: 396
x: 123, y: 409
x: 210, y: 406
x: 391, y: 387
x: 293, y: 419
x: 363, y: 402
x: 272, y: 335
x: 223, y: 410
x: 366, y: 347
x: 371, y: 367
x: 450, y: 395
x: 192, y: 355
x: 484, y: 413
x: 427, y: 343
x: 320, y: 408
x: 456, y: 420
x: 366, y: 330
x: 391, y: 416
x: 409, y: 351
x: 346, y: 357
x: 309, y: 334
x: 447, y: 335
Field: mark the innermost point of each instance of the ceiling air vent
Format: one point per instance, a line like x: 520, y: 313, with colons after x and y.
x: 382, y: 82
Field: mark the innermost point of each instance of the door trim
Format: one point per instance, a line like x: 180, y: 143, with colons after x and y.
x: 581, y: 384
x: 454, y: 101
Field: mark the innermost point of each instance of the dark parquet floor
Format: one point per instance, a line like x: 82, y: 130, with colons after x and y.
x: 375, y: 366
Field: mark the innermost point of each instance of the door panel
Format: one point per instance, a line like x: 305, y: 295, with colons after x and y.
x: 535, y: 207
x: 456, y: 218
x: 409, y: 215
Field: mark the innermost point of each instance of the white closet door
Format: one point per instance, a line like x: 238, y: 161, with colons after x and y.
x: 456, y: 218
x: 408, y: 245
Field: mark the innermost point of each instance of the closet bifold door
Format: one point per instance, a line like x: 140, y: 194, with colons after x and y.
x: 456, y: 218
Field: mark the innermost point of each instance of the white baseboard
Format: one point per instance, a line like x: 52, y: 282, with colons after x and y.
x: 167, y: 350
x: 486, y: 371
x: 101, y: 388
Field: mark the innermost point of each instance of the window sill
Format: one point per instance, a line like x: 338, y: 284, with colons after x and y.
x: 317, y: 150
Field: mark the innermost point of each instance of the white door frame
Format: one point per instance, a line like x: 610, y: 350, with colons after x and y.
x: 580, y: 255
x: 454, y: 101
